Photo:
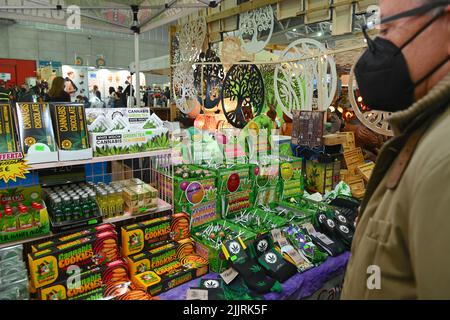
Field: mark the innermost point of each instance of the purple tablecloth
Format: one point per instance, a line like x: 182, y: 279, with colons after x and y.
x: 300, y: 286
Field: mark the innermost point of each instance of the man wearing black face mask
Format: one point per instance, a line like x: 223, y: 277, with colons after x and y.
x: 402, y: 242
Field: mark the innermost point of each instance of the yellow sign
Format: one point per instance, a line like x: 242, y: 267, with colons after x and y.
x: 12, y: 166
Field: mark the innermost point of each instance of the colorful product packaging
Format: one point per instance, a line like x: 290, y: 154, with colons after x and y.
x: 174, y: 275
x: 73, y: 236
x: 49, y: 265
x: 71, y: 132
x: 7, y: 129
x: 322, y: 177
x: 92, y: 282
x: 291, y: 177
x: 36, y: 132
x: 144, y: 235
x: 264, y: 175
x: 196, y: 193
x: 33, y: 223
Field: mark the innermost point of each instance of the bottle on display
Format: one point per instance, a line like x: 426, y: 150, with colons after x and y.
x: 36, y: 213
x: 111, y: 204
x: 93, y: 204
x: 10, y: 220
x: 67, y: 209
x: 57, y: 210
x: 76, y: 208
x: 85, y: 206
x: 119, y: 202
x: 25, y: 218
x: 102, y: 199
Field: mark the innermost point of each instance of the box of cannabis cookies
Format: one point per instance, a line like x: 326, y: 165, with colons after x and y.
x: 71, y: 134
x: 36, y: 132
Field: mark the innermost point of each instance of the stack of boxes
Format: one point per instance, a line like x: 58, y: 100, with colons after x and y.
x: 13, y: 274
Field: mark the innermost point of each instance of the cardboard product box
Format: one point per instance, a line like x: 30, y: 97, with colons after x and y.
x: 114, y: 143
x: 322, y: 177
x: 175, y: 275
x: 144, y: 235
x: 36, y: 132
x: 109, y: 119
x: 49, y: 265
x: 92, y: 282
x: 8, y: 141
x: 291, y: 177
x: 235, y: 202
x: 55, y: 241
x: 37, y: 222
x: 139, y: 198
x: 164, y: 253
x: 71, y: 131
x: 196, y: 193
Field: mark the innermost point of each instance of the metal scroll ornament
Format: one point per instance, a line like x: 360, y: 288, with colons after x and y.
x: 372, y: 119
x: 252, y: 25
x: 309, y: 68
x: 191, y: 38
x: 242, y: 94
x: 209, y: 86
x: 183, y: 87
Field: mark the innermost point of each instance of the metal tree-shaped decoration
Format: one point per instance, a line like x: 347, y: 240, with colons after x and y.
x: 242, y: 94
x: 191, y: 38
x: 210, y: 87
x: 295, y: 82
x: 252, y: 24
x: 372, y: 119
x: 183, y: 88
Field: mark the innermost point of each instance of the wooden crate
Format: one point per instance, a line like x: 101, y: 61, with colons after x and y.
x: 350, y: 141
x: 334, y: 139
x: 365, y: 170
x: 353, y: 158
x: 358, y: 188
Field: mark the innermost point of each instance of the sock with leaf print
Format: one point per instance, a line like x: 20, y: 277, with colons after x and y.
x: 252, y: 273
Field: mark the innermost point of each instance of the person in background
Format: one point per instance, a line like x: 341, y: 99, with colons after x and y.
x: 5, y: 93
x: 96, y: 92
x: 129, y: 92
x: 121, y: 98
x: 112, y: 98
x: 57, y: 92
x: 402, y: 239
x: 167, y: 93
x: 84, y: 100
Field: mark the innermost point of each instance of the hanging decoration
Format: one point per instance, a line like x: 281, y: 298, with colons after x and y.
x: 209, y: 86
x: 373, y: 119
x: 183, y: 88
x: 191, y: 38
x: 252, y: 25
x: 232, y: 51
x: 295, y: 82
x: 242, y: 94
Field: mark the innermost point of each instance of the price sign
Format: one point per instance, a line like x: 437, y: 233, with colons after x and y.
x: 12, y: 166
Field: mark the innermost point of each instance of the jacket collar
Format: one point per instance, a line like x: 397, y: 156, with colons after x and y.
x: 425, y: 107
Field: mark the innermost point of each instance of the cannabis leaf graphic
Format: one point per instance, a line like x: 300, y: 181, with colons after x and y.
x: 262, y: 245
x: 261, y: 283
x: 211, y: 284
x: 271, y: 258
x: 255, y: 268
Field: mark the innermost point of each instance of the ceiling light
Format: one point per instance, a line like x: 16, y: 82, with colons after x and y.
x: 319, y: 34
x: 294, y: 29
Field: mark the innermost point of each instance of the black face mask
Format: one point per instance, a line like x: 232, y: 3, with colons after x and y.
x: 383, y: 77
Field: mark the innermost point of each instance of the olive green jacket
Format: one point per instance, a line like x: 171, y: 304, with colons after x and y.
x: 404, y: 223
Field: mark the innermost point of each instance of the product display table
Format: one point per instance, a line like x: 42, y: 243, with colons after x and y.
x: 300, y: 286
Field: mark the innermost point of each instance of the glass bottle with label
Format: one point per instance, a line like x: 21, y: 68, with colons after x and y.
x: 36, y: 213
x: 85, y: 207
x: 58, y: 214
x: 25, y: 217
x: 119, y: 202
x: 93, y: 204
x: 76, y: 208
x: 10, y: 220
x: 67, y: 209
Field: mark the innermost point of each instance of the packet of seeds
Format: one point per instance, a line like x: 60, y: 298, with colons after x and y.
x: 35, y: 127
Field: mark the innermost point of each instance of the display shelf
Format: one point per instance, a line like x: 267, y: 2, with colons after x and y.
x: 162, y: 206
x: 47, y: 165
